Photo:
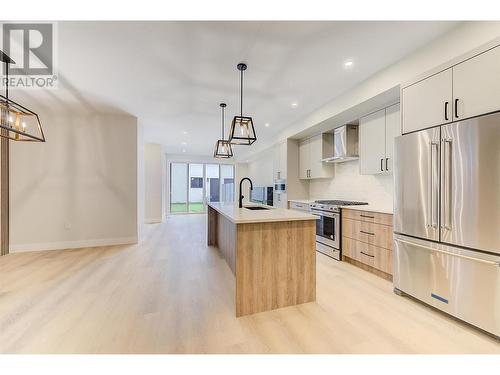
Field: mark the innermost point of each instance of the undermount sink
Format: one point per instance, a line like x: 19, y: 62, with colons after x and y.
x: 256, y: 208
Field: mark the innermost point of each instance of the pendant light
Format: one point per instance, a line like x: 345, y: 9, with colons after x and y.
x: 223, y: 147
x: 242, y: 131
x: 17, y: 122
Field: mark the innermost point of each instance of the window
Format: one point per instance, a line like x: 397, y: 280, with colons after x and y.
x: 196, y: 182
x: 192, y: 185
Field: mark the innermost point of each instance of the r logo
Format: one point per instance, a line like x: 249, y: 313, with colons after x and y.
x: 30, y: 45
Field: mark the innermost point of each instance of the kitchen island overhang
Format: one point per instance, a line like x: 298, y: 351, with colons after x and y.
x: 272, y: 254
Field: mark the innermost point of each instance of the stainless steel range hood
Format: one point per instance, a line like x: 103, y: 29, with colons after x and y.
x: 345, y: 144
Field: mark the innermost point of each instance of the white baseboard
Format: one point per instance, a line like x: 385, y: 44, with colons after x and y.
x: 72, y: 244
x: 153, y: 221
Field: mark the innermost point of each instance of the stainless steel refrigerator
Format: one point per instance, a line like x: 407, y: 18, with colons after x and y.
x: 447, y: 219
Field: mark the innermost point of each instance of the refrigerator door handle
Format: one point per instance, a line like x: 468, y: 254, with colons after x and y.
x: 497, y: 264
x: 434, y: 188
x: 429, y: 200
x: 447, y: 182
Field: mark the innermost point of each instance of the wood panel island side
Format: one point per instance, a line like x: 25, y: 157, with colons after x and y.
x: 272, y: 254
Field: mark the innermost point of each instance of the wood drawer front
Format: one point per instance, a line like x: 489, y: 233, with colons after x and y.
x: 371, y: 217
x: 370, y: 255
x: 374, y: 234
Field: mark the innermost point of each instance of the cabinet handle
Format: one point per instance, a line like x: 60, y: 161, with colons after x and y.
x: 368, y: 255
x: 446, y: 111
x: 386, y: 162
x: 381, y: 165
x: 456, y: 108
x: 369, y: 217
x: 370, y: 233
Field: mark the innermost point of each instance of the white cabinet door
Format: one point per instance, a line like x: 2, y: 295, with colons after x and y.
x: 317, y: 168
x: 283, y: 159
x: 392, y: 130
x: 476, y: 85
x: 315, y: 156
x: 372, y: 143
x: 276, y: 163
x: 304, y: 159
x: 428, y: 103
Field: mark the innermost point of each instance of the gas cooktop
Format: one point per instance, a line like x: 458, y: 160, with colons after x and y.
x: 336, y: 202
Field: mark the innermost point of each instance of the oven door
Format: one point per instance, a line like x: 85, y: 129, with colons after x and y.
x: 328, y: 228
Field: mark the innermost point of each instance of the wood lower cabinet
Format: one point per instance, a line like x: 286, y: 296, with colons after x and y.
x: 373, y: 256
x: 367, y: 241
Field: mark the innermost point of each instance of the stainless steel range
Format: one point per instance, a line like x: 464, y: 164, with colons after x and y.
x: 328, y: 225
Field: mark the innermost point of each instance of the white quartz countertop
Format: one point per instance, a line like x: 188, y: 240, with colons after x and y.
x: 242, y: 215
x: 371, y: 208
x: 307, y: 201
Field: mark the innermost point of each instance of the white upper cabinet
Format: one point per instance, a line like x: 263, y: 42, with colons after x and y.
x: 392, y: 130
x: 467, y: 89
x: 476, y: 85
x: 372, y: 143
x: 311, y: 152
x: 280, y: 161
x: 304, y: 159
x: 376, y: 140
x: 283, y: 160
x: 428, y: 102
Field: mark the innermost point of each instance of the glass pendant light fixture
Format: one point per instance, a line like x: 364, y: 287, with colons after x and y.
x: 17, y: 122
x: 242, y: 131
x: 223, y: 147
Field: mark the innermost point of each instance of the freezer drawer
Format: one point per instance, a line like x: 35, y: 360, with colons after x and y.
x: 463, y: 283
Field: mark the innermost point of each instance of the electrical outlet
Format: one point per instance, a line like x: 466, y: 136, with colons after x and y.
x: 67, y: 225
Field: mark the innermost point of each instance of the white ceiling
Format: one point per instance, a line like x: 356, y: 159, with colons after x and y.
x: 173, y: 75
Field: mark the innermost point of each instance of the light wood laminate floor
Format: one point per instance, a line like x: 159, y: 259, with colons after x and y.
x: 172, y: 294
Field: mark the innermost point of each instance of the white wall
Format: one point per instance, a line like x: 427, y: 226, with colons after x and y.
x: 241, y: 171
x: 141, y: 188
x: 348, y: 184
x: 260, y: 168
x: 153, y: 172
x: 79, y: 188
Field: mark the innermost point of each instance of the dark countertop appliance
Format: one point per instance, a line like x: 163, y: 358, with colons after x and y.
x: 262, y: 195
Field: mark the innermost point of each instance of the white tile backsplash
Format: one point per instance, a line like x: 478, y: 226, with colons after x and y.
x: 348, y: 184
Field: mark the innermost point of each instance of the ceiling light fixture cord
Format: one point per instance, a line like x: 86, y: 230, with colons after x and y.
x: 241, y: 94
x: 222, y: 133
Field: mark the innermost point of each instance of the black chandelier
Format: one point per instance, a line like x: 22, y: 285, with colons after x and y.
x: 242, y: 131
x: 17, y: 122
x: 223, y: 147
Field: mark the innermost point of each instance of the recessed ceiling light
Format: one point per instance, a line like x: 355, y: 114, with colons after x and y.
x: 185, y: 132
x: 348, y: 64
x: 295, y: 104
x: 267, y: 124
x: 183, y: 150
x: 183, y: 143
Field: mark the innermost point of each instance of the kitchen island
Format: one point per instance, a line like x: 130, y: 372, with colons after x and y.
x: 271, y: 252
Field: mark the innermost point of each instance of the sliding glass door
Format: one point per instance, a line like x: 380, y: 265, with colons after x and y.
x: 196, y: 188
x: 212, y: 189
x: 192, y: 185
x: 226, y: 183
x: 178, y: 187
